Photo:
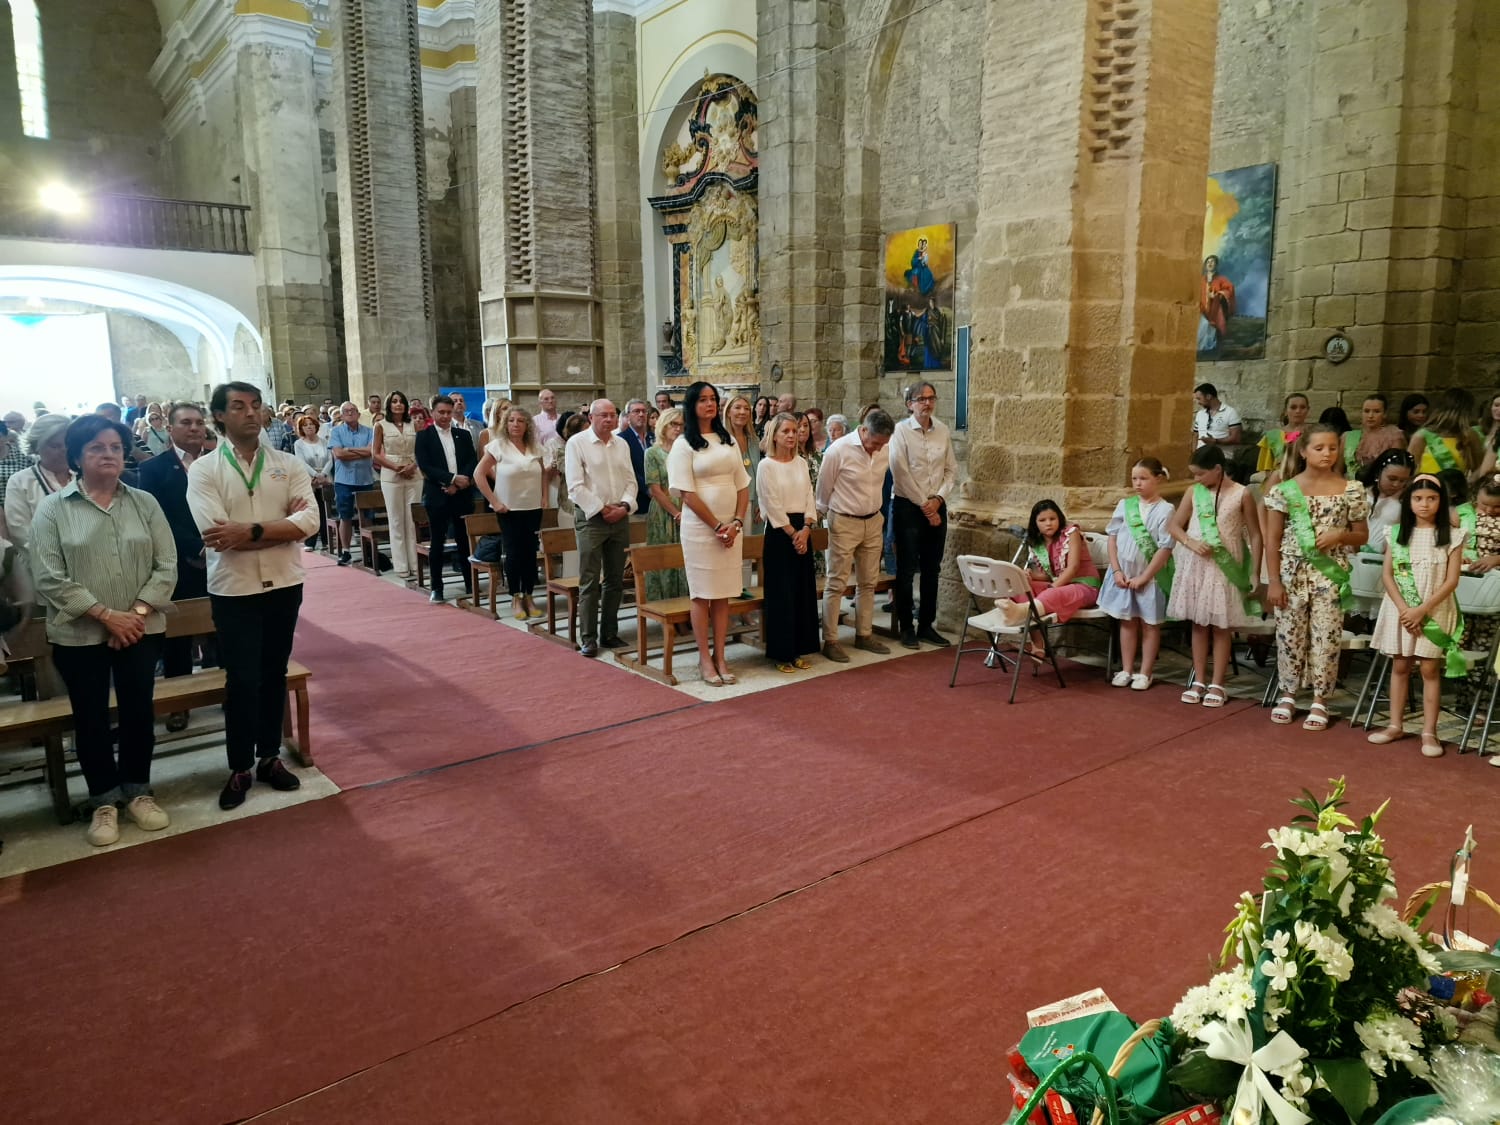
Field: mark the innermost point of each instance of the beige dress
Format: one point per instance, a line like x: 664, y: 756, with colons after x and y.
x: 1429, y: 567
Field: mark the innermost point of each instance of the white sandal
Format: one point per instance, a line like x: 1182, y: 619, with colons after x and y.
x: 1194, y: 693
x: 1285, y: 710
x: 1215, y: 696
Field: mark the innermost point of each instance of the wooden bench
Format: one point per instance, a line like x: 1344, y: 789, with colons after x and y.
x: 488, y: 523
x: 50, y: 717
x: 557, y: 542
x: 423, y: 527
x: 330, y: 520
x: 373, y: 525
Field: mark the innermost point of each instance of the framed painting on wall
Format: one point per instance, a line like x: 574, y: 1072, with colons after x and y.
x: 919, y: 273
x: 1238, y: 223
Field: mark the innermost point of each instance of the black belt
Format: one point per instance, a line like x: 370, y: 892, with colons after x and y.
x: 847, y: 516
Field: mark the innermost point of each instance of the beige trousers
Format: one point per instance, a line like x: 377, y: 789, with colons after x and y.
x: 853, y: 545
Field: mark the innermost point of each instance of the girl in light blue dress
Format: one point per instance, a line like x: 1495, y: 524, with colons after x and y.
x: 1139, y: 579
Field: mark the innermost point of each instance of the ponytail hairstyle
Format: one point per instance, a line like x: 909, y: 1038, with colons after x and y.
x: 1154, y: 467
x: 1296, y: 455
x: 1207, y: 457
x: 1034, y: 537
x: 1444, y: 530
x: 1336, y: 417
x: 1288, y: 402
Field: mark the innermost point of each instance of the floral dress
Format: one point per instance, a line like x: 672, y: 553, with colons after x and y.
x: 1081, y: 593
x: 1480, y: 632
x: 662, y: 528
x: 814, y: 463
x: 1310, y: 629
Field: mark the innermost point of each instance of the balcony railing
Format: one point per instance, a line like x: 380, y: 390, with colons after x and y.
x: 135, y: 220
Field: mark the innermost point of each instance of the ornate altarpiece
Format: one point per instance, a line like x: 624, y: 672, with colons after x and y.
x: 711, y: 220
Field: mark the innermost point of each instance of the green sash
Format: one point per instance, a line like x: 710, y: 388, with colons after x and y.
x: 1276, y: 442
x: 1307, y: 542
x: 1146, y: 545
x: 1454, y: 665
x: 1237, y: 571
x: 1351, y: 442
x: 1440, y: 452
x: 1046, y: 565
x: 1468, y: 519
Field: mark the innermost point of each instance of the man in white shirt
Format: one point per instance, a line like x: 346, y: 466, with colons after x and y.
x: 923, y: 473
x: 546, y: 416
x: 849, y: 485
x: 1215, y: 423
x: 601, y: 484
x: 254, y: 507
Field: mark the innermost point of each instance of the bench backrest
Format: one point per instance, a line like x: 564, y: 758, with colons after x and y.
x: 558, y: 541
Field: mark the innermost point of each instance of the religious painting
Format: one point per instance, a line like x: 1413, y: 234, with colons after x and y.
x: 919, y: 276
x: 1238, y: 221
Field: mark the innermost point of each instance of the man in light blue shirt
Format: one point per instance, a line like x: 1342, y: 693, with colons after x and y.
x: 353, y: 448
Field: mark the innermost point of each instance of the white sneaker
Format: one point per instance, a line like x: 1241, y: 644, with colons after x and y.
x: 104, y: 829
x: 147, y: 814
x: 1121, y: 679
x: 1140, y: 682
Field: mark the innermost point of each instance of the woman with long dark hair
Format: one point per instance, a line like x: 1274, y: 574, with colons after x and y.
x: 400, y: 483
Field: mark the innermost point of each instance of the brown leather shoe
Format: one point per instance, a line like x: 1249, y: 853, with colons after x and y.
x: 835, y: 652
x: 870, y: 644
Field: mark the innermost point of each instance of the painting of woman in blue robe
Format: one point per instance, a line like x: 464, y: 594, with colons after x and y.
x: 920, y: 267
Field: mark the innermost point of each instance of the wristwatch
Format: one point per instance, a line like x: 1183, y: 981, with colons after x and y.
x: 141, y: 610
x: 256, y: 531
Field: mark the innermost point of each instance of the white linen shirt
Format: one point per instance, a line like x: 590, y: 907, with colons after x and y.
x: 599, y: 473
x: 518, y: 475
x: 445, y: 439
x: 850, y: 480
x: 216, y: 492
x: 1215, y: 425
x: 784, y: 488
x: 922, y: 461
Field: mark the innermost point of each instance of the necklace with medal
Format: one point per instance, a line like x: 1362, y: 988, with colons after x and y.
x: 254, y: 478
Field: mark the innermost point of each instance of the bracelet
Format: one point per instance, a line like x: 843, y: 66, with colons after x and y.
x: 739, y: 522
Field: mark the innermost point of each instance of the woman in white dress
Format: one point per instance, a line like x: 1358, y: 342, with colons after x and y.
x: 514, y: 461
x: 24, y: 492
x: 311, y: 448
x: 400, y: 484
x: 705, y: 467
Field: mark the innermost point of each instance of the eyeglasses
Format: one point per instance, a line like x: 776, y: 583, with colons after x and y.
x: 925, y: 398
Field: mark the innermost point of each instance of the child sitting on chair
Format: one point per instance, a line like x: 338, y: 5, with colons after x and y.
x: 1063, y: 576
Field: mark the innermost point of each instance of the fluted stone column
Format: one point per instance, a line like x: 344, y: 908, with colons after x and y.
x: 540, y: 310
x: 617, y: 158
x: 383, y: 223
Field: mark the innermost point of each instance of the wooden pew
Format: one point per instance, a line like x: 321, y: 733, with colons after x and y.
x: 557, y: 542
x: 372, y: 524
x: 488, y: 523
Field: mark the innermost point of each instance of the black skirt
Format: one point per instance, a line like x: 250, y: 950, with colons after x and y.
x: 793, y: 628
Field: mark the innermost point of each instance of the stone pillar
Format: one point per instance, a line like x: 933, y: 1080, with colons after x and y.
x: 540, y: 312
x: 800, y: 90
x: 1094, y: 154
x: 277, y: 100
x: 617, y: 158
x: 383, y: 223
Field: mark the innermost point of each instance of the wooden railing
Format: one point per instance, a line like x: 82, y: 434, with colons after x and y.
x: 135, y: 220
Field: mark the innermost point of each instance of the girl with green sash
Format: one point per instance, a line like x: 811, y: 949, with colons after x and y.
x: 1063, y: 576
x: 1377, y: 435
x: 1274, y: 443
x: 1314, y: 521
x: 1217, y: 527
x: 1448, y: 440
x: 1140, y: 574
x: 1419, y: 617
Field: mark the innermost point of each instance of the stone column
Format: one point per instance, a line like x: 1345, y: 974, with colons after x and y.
x: 540, y: 311
x: 277, y: 99
x: 800, y: 90
x: 1094, y: 154
x: 383, y: 223
x: 617, y: 158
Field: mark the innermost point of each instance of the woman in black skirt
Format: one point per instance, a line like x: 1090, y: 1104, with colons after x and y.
x: 785, y: 496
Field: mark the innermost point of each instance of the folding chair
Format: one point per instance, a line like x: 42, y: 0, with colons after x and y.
x: 1479, y: 596
x: 990, y: 579
x: 1094, y: 617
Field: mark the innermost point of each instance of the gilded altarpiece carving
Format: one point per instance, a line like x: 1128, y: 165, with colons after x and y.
x: 711, y: 221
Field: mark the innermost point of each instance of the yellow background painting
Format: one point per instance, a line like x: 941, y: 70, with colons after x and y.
x: 899, y: 248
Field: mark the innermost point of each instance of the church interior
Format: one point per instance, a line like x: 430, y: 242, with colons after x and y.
x: 529, y: 888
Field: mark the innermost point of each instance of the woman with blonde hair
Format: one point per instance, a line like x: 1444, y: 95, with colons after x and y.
x: 513, y: 460
x: 494, y: 421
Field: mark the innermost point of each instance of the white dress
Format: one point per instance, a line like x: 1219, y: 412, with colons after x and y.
x: 1429, y: 569
x: 716, y: 474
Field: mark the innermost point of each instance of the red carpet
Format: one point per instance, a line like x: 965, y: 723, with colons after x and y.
x: 448, y: 685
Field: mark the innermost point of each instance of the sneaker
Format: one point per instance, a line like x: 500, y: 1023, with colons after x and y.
x: 274, y: 773
x: 345, y: 558
x: 870, y: 644
x: 835, y: 652
x: 932, y: 636
x: 1121, y: 679
x: 232, y: 796
x: 104, y: 828
x: 908, y: 638
x: 612, y: 642
x: 147, y: 814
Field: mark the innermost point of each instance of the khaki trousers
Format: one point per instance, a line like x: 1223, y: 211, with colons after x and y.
x: 853, y: 545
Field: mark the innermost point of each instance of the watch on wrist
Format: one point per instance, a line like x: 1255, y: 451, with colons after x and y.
x: 256, y: 531
x: 141, y: 610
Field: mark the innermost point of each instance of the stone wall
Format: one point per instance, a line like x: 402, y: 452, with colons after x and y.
x: 150, y: 359
x: 453, y: 223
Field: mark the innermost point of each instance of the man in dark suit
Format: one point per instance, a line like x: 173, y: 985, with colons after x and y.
x: 445, y: 454
x: 165, y: 477
x: 638, y: 438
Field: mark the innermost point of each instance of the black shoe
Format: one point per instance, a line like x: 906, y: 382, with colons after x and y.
x: 589, y: 649
x: 177, y: 720
x: 344, y: 558
x: 436, y: 598
x: 908, y: 637
x: 275, y: 774
x: 889, y: 607
x: 233, y: 794
x: 932, y: 636
x: 611, y: 642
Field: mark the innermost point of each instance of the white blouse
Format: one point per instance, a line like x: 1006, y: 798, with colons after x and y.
x: 518, y: 475
x: 783, y: 488
x: 314, y: 455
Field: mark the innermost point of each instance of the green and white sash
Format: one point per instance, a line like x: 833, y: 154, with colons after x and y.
x: 1352, y: 438
x: 1454, y: 665
x: 1046, y: 564
x: 1307, y: 542
x: 1439, y: 450
x: 1237, y: 571
x: 1276, y: 443
x: 1146, y: 544
x: 1468, y: 519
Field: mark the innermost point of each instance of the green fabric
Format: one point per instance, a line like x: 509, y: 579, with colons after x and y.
x: 1276, y: 441
x: 1468, y: 519
x: 1236, y: 570
x: 1144, y: 1092
x: 1046, y: 564
x: 1412, y: 1111
x: 1307, y: 541
x: 1146, y: 545
x: 1454, y: 666
x: 1439, y: 450
x: 1351, y: 443
x: 661, y: 528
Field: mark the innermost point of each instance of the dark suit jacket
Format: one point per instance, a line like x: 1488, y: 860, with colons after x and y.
x: 165, y: 477
x: 637, y: 449
x: 434, y: 466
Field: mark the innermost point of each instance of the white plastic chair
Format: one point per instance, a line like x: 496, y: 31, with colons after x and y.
x: 1479, y: 596
x: 1094, y: 617
x: 987, y: 580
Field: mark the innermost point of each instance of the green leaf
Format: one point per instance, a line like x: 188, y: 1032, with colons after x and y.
x: 1212, y: 1079
x: 1349, y: 1081
x: 1462, y: 961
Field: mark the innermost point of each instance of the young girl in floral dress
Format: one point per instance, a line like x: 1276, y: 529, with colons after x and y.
x: 1419, y: 619
x: 1063, y: 576
x: 1315, y: 520
x: 1140, y: 571
x: 1217, y: 527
